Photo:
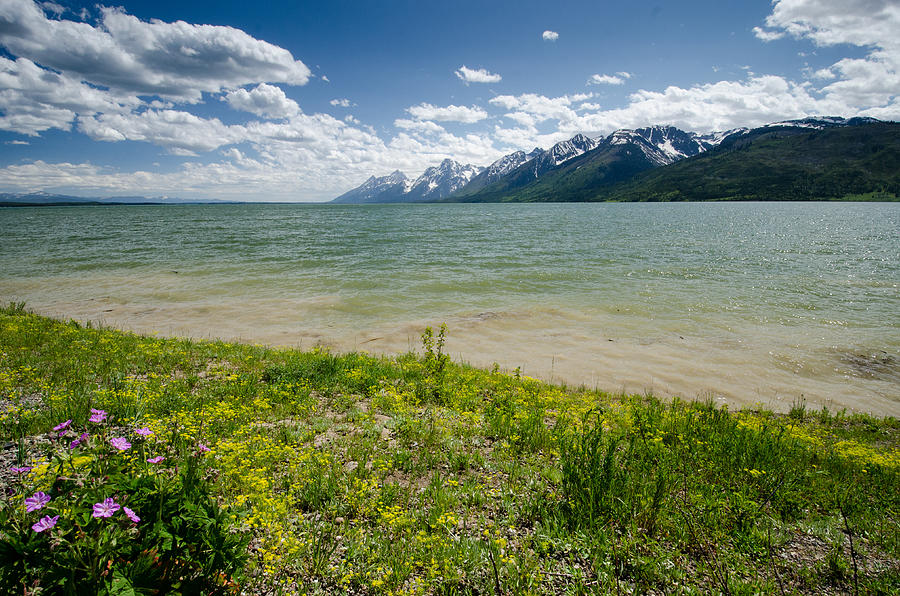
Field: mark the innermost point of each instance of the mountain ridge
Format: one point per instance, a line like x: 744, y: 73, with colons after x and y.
x: 661, y: 144
x: 583, y: 168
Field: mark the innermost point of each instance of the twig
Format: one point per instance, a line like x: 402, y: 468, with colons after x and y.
x: 849, y: 532
x: 497, y: 587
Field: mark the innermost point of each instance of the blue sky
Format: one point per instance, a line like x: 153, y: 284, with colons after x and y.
x: 302, y: 101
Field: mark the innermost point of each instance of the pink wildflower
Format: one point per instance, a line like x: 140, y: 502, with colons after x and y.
x: 37, y: 501
x: 97, y: 416
x: 202, y: 448
x: 120, y: 443
x: 155, y: 460
x: 131, y: 515
x: 63, y: 426
x: 45, y: 523
x: 144, y: 432
x: 106, y: 508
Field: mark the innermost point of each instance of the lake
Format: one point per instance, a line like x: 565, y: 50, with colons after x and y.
x: 745, y: 303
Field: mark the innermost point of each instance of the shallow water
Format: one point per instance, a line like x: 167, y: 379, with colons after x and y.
x: 744, y: 302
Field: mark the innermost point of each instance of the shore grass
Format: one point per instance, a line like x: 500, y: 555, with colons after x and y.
x: 267, y: 471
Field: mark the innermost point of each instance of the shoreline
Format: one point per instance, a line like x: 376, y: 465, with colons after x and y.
x: 624, y: 365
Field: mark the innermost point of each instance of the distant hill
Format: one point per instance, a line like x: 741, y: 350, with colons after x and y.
x: 36, y: 199
x: 785, y: 161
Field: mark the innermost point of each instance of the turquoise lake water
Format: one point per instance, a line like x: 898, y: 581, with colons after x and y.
x: 743, y: 302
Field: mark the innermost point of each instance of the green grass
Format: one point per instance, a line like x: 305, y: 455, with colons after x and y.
x: 354, y: 473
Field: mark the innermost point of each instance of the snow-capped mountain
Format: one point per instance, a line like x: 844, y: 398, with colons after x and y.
x: 561, y: 152
x: 663, y: 145
x: 715, y: 138
x: 439, y: 181
x: 501, y: 168
x: 380, y: 189
x: 434, y: 183
x: 607, y: 160
x: 504, y: 165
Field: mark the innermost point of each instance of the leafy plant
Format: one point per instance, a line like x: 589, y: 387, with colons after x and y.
x: 434, y: 362
x: 118, y: 515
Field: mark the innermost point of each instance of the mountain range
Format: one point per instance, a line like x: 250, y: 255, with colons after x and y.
x: 825, y: 157
x: 435, y: 183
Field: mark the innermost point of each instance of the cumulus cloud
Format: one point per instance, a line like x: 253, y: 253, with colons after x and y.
x: 830, y: 22
x: 549, y: 35
x: 340, y: 102
x: 172, y: 60
x: 701, y: 108
x: 264, y: 100
x: 481, y: 75
x: 451, y: 113
x: 539, y: 107
x: 34, y: 99
x: 181, y: 132
x: 862, y: 83
x: 420, y: 126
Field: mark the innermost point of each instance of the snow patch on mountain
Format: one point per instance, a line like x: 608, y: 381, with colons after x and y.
x: 822, y: 122
x: 439, y: 181
x: 377, y: 188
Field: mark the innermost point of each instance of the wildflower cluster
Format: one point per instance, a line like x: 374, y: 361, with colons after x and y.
x: 98, y: 513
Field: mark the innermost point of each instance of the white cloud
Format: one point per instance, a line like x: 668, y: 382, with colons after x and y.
x: 702, y: 108
x: 718, y: 106
x: 180, y: 132
x: 480, y: 75
x: 606, y: 80
x: 864, y: 83
x: 420, y: 126
x: 264, y: 100
x: 17, y: 142
x: 341, y: 102
x: 824, y: 74
x: 34, y: 99
x: 132, y: 57
x: 767, y: 35
x: 451, y: 113
x: 830, y: 22
x: 540, y: 107
x: 53, y: 7
x: 549, y: 35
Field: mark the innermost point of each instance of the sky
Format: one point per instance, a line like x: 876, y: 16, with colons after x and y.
x: 301, y: 101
